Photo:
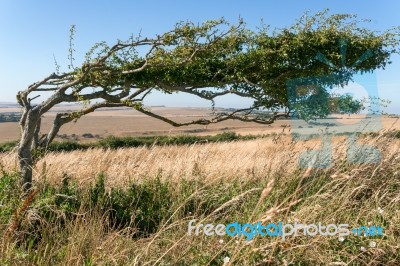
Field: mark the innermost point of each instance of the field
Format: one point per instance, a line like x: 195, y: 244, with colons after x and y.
x: 124, y: 122
x: 132, y: 206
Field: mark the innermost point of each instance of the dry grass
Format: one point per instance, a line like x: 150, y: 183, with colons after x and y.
x: 268, y: 187
x: 255, y: 158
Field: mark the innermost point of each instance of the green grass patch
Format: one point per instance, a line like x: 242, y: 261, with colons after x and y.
x: 113, y: 142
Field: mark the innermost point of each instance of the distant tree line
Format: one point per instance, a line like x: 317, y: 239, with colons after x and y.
x: 10, y: 117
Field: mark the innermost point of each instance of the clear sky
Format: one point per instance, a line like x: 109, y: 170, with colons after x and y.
x: 32, y: 31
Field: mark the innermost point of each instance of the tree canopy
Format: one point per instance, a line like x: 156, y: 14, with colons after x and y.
x: 206, y: 60
x: 345, y: 104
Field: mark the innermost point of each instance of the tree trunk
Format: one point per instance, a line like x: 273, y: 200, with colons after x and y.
x: 25, y: 147
x: 25, y: 166
x: 58, y: 122
x: 35, y: 142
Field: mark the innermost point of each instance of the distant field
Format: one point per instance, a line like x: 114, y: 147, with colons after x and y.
x: 126, y: 122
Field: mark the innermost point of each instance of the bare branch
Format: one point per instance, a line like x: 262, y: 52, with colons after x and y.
x: 36, y: 85
x: 136, y: 93
x: 31, y: 99
x: 208, y: 95
x: 143, y: 67
x: 46, y: 89
x: 221, y: 117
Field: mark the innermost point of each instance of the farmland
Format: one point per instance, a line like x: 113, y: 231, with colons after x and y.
x: 125, y: 122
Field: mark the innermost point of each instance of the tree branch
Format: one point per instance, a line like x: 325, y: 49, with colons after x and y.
x: 207, y: 95
x: 221, y: 117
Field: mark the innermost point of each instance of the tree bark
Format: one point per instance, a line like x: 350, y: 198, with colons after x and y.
x: 58, y: 122
x: 35, y: 142
x: 30, y: 126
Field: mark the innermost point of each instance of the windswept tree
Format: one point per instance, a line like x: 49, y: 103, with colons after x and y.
x: 206, y: 60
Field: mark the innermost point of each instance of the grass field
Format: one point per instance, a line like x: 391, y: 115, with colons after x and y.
x: 138, y: 211
x: 132, y: 206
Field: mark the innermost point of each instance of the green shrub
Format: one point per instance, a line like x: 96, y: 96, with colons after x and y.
x: 66, y: 146
x: 112, y: 142
x: 8, y: 146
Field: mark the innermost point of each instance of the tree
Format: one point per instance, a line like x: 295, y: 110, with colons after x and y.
x: 207, y: 61
x: 345, y: 104
x: 319, y: 103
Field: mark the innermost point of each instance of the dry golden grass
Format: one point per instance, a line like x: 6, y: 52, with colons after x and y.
x: 255, y: 158
x: 269, y: 188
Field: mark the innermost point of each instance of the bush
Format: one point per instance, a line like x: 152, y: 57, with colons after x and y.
x: 88, y: 135
x: 66, y: 146
x: 8, y: 146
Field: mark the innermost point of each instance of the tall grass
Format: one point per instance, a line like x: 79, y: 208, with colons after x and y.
x: 132, y: 206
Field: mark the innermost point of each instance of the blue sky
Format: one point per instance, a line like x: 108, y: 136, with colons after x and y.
x: 32, y: 31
